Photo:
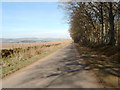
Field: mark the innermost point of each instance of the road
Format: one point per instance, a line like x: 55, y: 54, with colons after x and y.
x: 62, y: 69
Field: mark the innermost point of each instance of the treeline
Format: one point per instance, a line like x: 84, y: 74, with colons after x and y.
x: 94, y: 23
x: 95, y: 29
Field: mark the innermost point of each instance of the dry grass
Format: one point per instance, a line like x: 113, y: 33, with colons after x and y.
x: 16, y: 56
x: 23, y: 45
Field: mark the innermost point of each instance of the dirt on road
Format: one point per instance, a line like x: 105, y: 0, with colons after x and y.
x: 62, y: 69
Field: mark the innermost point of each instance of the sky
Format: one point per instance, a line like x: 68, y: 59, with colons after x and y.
x: 33, y: 19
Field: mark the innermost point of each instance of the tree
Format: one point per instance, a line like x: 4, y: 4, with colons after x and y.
x: 111, y: 22
x: 92, y: 23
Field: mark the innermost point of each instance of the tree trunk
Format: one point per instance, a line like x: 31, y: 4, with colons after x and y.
x: 111, y: 23
x: 101, y: 14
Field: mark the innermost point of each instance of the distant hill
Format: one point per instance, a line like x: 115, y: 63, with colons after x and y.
x: 28, y: 40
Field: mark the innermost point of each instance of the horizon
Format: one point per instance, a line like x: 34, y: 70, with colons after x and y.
x: 33, y: 20
x: 33, y: 38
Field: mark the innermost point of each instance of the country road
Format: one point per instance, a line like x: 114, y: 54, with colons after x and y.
x: 62, y: 69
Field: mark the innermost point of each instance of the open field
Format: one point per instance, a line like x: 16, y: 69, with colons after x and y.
x: 18, y: 45
x: 18, y: 55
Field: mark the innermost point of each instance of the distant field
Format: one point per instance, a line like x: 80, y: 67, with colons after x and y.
x: 22, y: 45
x: 18, y: 55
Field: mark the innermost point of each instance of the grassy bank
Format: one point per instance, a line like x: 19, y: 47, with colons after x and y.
x: 14, y: 59
x: 104, y: 62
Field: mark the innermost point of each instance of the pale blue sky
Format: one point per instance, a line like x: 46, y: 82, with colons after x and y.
x: 33, y: 19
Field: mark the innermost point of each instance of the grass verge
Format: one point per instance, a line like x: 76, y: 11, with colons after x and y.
x: 106, y: 68
x: 14, y: 64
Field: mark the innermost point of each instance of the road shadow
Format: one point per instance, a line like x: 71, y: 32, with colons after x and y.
x: 87, y: 60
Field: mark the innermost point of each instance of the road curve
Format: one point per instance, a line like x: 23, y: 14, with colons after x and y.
x: 58, y: 70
